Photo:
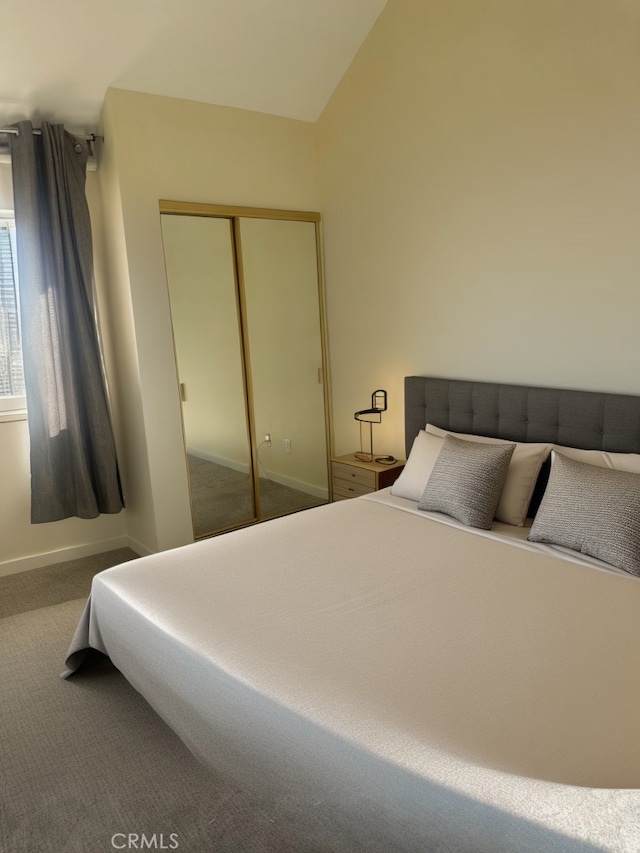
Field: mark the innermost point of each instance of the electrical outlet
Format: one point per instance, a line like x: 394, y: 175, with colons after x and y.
x: 267, y: 439
x: 287, y: 445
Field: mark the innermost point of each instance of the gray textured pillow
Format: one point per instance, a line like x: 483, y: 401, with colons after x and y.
x: 467, y: 481
x: 593, y: 510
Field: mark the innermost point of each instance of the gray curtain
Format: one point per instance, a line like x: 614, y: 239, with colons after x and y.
x: 74, y: 471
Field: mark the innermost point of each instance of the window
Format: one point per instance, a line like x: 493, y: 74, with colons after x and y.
x: 12, y: 394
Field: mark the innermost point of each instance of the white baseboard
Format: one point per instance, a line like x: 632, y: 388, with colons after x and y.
x: 282, y: 479
x: 38, y: 561
x: 219, y: 460
x: 308, y: 488
x: 141, y: 550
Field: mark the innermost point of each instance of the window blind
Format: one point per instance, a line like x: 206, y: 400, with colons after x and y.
x: 11, y: 374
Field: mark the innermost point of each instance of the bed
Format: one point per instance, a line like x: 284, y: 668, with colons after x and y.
x: 422, y: 683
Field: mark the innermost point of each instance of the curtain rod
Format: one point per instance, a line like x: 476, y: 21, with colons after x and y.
x: 92, y: 137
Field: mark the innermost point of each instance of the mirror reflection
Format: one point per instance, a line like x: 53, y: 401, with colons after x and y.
x: 204, y: 311
x: 247, y: 318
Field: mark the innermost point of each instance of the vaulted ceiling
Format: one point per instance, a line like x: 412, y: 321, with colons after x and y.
x: 283, y: 57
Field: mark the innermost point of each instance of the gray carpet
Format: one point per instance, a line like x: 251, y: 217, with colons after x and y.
x: 54, y: 584
x: 222, y: 497
x: 84, y: 759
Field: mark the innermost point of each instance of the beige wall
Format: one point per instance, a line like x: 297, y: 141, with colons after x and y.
x: 187, y: 151
x: 6, y: 187
x: 115, y: 307
x: 29, y: 546
x: 479, y: 180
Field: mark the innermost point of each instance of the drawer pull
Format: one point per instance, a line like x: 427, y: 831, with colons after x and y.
x: 353, y: 474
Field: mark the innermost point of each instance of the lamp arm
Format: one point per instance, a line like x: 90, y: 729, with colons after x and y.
x: 375, y: 419
x: 379, y: 400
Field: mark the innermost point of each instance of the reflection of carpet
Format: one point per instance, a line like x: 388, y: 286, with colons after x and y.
x: 222, y: 497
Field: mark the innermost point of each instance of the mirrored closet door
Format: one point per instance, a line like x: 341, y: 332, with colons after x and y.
x: 247, y: 307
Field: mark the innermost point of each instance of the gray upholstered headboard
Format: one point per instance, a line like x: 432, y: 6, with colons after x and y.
x: 584, y: 419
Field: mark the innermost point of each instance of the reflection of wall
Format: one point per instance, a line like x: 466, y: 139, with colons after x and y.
x: 283, y: 320
x: 202, y: 287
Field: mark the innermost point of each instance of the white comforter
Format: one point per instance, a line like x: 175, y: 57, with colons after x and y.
x: 428, y: 681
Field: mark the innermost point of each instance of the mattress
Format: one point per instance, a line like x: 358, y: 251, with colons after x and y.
x: 430, y: 684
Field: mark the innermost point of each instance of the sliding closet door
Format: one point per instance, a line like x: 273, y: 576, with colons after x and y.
x: 201, y: 273
x: 247, y: 307
x: 284, y: 333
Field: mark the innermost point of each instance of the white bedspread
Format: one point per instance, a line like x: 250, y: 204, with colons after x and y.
x: 447, y: 684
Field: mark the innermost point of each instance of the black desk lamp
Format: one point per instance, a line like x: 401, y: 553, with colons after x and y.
x: 372, y: 416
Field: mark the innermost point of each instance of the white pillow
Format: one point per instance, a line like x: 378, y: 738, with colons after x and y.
x: 618, y: 461
x: 413, y: 477
x: 523, y: 472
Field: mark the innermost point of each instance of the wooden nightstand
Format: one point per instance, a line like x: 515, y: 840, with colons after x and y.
x: 350, y: 477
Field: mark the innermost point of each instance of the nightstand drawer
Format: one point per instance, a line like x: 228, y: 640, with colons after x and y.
x: 345, y: 489
x: 353, y: 475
